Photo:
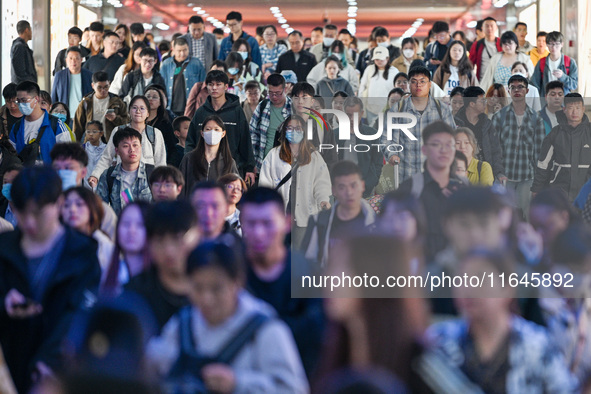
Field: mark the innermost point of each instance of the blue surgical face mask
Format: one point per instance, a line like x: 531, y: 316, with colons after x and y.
x: 6, y: 191
x: 26, y: 108
x: 294, y: 137
x: 233, y: 70
x: 68, y: 178
x: 244, y: 55
x: 61, y: 117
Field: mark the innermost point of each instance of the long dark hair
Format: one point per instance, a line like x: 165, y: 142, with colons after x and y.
x: 464, y: 65
x: 306, y: 147
x: 161, y: 112
x: 145, y: 100
x: 130, y: 63
x: 112, y: 278
x: 93, y: 203
x: 200, y: 166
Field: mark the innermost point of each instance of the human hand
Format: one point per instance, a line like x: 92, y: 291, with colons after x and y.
x: 93, y: 182
x: 219, y: 378
x: 110, y: 116
x: 19, y: 307
x: 394, y: 160
x: 558, y: 73
x: 249, y: 179
x: 325, y: 205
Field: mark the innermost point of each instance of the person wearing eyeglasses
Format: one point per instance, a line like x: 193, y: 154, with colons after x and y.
x: 426, y: 109
x: 521, y: 132
x: 435, y: 52
x: 436, y: 183
x: 152, y: 142
x: 166, y: 183
x: 499, y: 67
x: 556, y: 66
x: 135, y: 82
x: 100, y: 105
x: 235, y: 188
x: 93, y: 144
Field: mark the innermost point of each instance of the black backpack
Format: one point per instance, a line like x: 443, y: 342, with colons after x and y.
x: 32, y: 151
x: 185, y: 375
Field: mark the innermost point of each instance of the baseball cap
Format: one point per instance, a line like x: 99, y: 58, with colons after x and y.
x: 380, y: 53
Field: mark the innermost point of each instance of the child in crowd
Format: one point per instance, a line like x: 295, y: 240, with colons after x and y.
x: 180, y: 125
x: 93, y: 144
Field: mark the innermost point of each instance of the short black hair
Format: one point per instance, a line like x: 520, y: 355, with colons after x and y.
x: 29, y: 87
x: 573, y: 98
x: 554, y: 85
x: 76, y: 31
x: 520, y: 24
x: 509, y: 36
x: 97, y: 26
x: 218, y: 30
x: 436, y: 127
x: 69, y: 150
x: 400, y: 75
x: 100, y: 76
x: 517, y: 78
x: 340, y: 93
x: 40, y: 184
x: 124, y: 134
x: 96, y: 123
x: 297, y: 33
x: 419, y: 70
x: 541, y: 34
x: 21, y: 26
x: 260, y: 29
x: 440, y: 27
x: 345, y: 31
x: 45, y: 96
x: 164, y: 46
x: 195, y: 19
x: 170, y: 218
x: 216, y: 255
x: 479, y: 25
x: 166, y: 173
x: 461, y: 156
x: 317, y: 28
x: 380, y: 31
x: 555, y: 36
x: 208, y: 185
x: 276, y: 79
x: 176, y: 123
x: 217, y: 76
x: 471, y: 94
x: 149, y: 52
x: 330, y: 27
x: 475, y: 200
x: 110, y: 34
x: 180, y: 41
x: 396, y: 91
x: 489, y: 18
x: 252, y: 84
x: 234, y: 15
x: 74, y: 49
x: 137, y: 28
x: 262, y: 195
x: 457, y: 90
x: 220, y: 63
x: 344, y: 168
x: 9, y: 91
x: 302, y: 87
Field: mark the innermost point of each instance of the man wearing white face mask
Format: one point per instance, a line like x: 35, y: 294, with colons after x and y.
x: 321, y: 50
x: 36, y: 132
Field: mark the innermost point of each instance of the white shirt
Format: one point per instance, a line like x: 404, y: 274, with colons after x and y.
x: 127, y: 179
x: 519, y: 119
x: 453, y: 81
x: 552, y: 117
x: 32, y: 129
x: 553, y: 65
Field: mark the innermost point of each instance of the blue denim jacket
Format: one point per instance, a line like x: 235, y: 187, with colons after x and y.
x: 194, y: 72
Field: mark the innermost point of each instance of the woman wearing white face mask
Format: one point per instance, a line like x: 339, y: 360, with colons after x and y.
x: 211, y: 159
x: 250, y: 70
x: 296, y: 155
x: 409, y: 53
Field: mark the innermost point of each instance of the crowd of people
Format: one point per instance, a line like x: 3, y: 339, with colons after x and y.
x: 160, y: 205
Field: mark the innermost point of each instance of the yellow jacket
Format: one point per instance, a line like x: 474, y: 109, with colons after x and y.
x: 484, y: 178
x: 535, y: 56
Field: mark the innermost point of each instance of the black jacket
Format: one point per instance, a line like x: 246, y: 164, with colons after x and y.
x: 489, y: 145
x: 133, y: 78
x: 565, y: 158
x: 237, y: 131
x: 301, y: 68
x: 22, y: 62
x: 101, y: 63
x: 71, y: 288
x: 370, y: 162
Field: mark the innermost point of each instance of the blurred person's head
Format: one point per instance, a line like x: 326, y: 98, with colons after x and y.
x: 166, y: 183
x: 210, y: 202
x: 550, y: 213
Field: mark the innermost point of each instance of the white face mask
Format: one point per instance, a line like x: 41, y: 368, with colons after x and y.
x: 327, y: 41
x: 384, y: 44
x: 408, y: 53
x: 212, y: 137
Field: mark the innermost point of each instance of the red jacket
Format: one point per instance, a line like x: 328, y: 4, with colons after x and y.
x: 476, y: 54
